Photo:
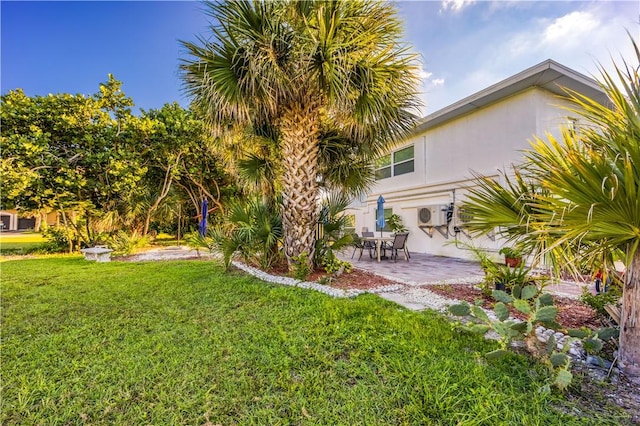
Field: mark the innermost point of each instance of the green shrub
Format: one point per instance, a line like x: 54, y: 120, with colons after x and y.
x: 124, y: 243
x: 599, y: 301
x: 57, y: 239
x: 395, y: 224
x: 511, y: 252
x: 332, y: 237
x: 511, y: 277
x: 333, y: 264
x: 253, y: 229
x: 301, y: 268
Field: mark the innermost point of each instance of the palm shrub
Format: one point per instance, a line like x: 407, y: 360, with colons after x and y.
x: 123, y: 242
x: 253, y: 230
x: 582, y: 194
x: 332, y: 237
x: 197, y: 241
x: 309, y: 71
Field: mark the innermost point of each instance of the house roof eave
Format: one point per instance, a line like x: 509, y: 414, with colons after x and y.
x: 548, y: 75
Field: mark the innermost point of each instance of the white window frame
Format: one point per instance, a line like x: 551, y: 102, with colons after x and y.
x: 391, y: 163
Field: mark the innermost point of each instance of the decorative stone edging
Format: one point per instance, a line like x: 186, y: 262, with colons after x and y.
x: 597, y: 367
x: 465, y: 280
x: 576, y: 350
x: 335, y: 292
x: 425, y: 297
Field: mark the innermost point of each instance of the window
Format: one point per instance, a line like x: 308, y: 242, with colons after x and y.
x: 402, y: 163
x: 387, y: 213
x: 349, y: 224
x: 383, y: 167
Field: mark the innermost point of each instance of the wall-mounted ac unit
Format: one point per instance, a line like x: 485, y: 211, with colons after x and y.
x: 461, y: 216
x: 435, y: 215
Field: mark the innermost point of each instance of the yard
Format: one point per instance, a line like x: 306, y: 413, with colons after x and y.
x: 186, y: 343
x: 19, y: 243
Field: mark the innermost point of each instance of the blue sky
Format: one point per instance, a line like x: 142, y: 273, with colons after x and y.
x: 465, y: 46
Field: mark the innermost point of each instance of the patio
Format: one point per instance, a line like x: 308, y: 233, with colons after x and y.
x: 425, y: 269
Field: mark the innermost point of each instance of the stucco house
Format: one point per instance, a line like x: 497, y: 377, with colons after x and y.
x: 12, y: 220
x: 424, y: 179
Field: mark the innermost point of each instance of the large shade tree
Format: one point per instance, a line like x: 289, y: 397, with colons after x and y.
x: 100, y: 167
x: 69, y: 153
x: 579, y: 198
x: 302, y: 67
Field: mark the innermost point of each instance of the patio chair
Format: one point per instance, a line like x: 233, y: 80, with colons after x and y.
x: 362, y: 245
x: 399, y: 243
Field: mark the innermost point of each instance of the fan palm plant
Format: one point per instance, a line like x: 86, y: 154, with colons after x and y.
x: 584, y: 195
x: 302, y: 67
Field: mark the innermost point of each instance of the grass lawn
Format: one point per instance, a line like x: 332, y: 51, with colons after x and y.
x: 169, y: 343
x: 20, y: 242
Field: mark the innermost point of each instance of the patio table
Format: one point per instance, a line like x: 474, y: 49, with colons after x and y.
x: 378, y: 241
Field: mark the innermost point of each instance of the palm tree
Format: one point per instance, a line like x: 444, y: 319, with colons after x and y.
x: 304, y: 66
x: 584, y: 194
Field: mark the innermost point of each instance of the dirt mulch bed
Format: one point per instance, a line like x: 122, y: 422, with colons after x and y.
x: 356, y: 279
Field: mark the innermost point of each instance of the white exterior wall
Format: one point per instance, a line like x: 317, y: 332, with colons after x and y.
x: 485, y: 141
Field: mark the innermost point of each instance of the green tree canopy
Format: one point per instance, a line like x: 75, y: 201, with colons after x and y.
x: 101, y: 167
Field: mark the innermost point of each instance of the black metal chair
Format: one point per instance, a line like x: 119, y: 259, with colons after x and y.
x: 362, y: 245
x: 399, y: 243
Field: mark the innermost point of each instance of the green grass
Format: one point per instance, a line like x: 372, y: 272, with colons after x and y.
x: 170, y: 343
x: 20, y: 243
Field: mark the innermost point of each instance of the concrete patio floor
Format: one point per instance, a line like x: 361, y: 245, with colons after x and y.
x: 425, y: 269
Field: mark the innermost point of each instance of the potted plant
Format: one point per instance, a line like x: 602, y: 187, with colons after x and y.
x: 506, y: 277
x: 395, y: 224
x: 512, y: 256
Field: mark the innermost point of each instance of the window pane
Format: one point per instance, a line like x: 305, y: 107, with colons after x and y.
x: 349, y: 224
x: 383, y: 173
x: 383, y: 161
x: 350, y: 220
x: 403, y: 155
x: 402, y: 168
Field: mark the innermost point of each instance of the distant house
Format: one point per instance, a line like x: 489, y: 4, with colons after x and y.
x: 424, y: 179
x: 12, y: 220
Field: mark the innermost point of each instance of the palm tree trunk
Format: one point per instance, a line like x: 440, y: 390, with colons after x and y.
x: 629, y: 353
x: 300, y: 129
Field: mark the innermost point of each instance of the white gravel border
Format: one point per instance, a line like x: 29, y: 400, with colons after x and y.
x: 335, y: 292
x: 400, y: 292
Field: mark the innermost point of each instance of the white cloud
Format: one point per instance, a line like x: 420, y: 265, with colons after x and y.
x: 577, y: 39
x: 424, y: 74
x: 455, y: 5
x: 499, y: 41
x: 571, y: 28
